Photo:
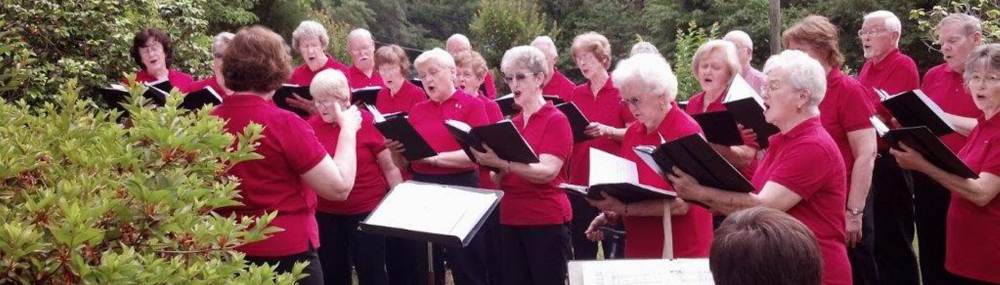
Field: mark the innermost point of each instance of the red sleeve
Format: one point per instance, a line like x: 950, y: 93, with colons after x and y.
x: 299, y: 143
x: 491, y: 87
x: 372, y: 138
x: 558, y: 138
x: 794, y: 169
x: 855, y: 108
x: 181, y: 81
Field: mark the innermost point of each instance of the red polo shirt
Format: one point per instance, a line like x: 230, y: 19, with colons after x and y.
x: 896, y: 73
x: 207, y: 82
x: 369, y: 184
x: 525, y: 203
x: 358, y: 79
x: 493, y: 115
x: 408, y: 95
x: 428, y: 119
x: 791, y: 161
x: 491, y: 87
x: 844, y: 109
x: 179, y: 80
x: 946, y: 87
x: 696, y: 105
x: 302, y: 75
x: 692, y: 232
x: 973, y: 240
x: 606, y: 108
x: 274, y: 183
x: 559, y: 85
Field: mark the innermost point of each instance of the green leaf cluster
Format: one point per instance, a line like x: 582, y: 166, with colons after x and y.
x: 502, y: 24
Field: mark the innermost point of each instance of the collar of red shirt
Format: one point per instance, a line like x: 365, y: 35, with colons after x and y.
x: 356, y: 70
x: 457, y: 96
x: 797, y: 131
x: 983, y: 122
x: 669, y: 120
x: 886, y: 61
x: 241, y: 100
x: 610, y: 84
x: 544, y: 111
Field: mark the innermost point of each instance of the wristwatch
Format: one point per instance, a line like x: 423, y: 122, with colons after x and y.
x: 855, y: 211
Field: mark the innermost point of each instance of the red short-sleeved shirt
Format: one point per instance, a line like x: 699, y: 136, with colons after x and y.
x: 525, y: 203
x: 607, y: 109
x: 489, y: 85
x: 559, y: 85
x: 493, y: 115
x: 369, y: 185
x: 302, y: 75
x: 181, y: 81
x: 428, y: 119
x: 408, y: 96
x: 211, y: 81
x: 273, y: 183
x: 692, y: 232
x: 946, y: 87
x: 696, y: 105
x: 896, y: 73
x: 846, y: 108
x: 358, y: 79
x: 973, y: 243
x: 792, y: 161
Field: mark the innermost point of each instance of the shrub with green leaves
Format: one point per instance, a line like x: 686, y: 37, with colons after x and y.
x: 85, y: 200
x: 688, y: 42
x: 502, y: 24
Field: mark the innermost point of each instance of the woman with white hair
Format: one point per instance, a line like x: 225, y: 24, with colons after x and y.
x: 344, y: 245
x: 533, y: 233
x: 715, y: 64
x: 649, y: 87
x: 451, y: 166
x: 311, y: 40
x: 216, y: 81
x: 788, y: 178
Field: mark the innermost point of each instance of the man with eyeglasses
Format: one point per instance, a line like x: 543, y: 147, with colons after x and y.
x: 888, y: 69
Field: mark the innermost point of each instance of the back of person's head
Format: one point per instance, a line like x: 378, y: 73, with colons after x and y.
x: 255, y: 61
x: 763, y: 246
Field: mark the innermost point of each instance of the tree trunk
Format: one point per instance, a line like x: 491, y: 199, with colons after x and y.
x: 775, y: 26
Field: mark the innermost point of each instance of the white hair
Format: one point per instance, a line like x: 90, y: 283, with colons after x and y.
x: 892, y: 22
x: 436, y: 55
x: 802, y: 71
x: 646, y: 73
x: 310, y: 29
x: 330, y: 82
x: 527, y: 57
x: 459, y: 38
x: 359, y: 32
x: 643, y: 47
x: 221, y: 40
x: 728, y: 52
x: 541, y: 41
x: 740, y: 38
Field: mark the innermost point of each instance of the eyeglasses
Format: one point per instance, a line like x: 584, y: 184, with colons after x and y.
x: 518, y: 77
x: 980, y: 78
x: 151, y: 49
x: 634, y: 102
x: 875, y: 32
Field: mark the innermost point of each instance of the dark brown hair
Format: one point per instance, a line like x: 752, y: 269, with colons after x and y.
x: 144, y: 36
x: 818, y: 33
x: 763, y: 246
x: 255, y: 61
x: 392, y: 55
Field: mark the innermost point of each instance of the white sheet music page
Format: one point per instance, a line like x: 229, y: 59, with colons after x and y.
x: 606, y: 168
x: 431, y: 208
x: 647, y: 272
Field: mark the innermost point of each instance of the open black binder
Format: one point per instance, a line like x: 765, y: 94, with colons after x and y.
x: 397, y: 127
x: 927, y: 144
x: 694, y: 156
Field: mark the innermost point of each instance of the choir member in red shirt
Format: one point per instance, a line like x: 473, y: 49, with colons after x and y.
x: 556, y: 84
x: 153, y: 52
x: 533, y: 232
x: 311, y: 40
x: 215, y: 81
x: 845, y: 113
x: 361, y: 47
x: 972, y: 251
x: 944, y: 84
x: 295, y: 167
x: 649, y: 88
x: 600, y: 101
x: 451, y: 166
x: 458, y: 43
x: 344, y: 244
x: 399, y: 95
x: 890, y: 70
x: 802, y: 173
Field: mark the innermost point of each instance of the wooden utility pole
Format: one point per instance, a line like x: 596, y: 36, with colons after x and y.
x: 775, y: 26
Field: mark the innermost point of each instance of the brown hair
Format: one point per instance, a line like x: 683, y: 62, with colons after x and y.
x: 392, y: 55
x: 144, y: 36
x: 255, y: 61
x: 818, y: 33
x: 473, y: 60
x: 759, y: 246
x: 595, y: 43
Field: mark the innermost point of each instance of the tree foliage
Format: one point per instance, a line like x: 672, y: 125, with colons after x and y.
x: 502, y: 24
x: 986, y: 10
x: 688, y: 41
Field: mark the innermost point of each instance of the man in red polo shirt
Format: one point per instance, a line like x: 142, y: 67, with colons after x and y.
x: 890, y: 70
x: 361, y: 47
x: 556, y: 84
x: 458, y: 43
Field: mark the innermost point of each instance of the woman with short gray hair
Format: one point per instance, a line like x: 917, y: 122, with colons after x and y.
x: 311, y: 40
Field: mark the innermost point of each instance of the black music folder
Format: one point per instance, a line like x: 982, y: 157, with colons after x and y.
x: 694, y: 156
x: 116, y: 94
x: 748, y: 109
x: 285, y: 92
x: 508, y: 108
x: 577, y: 121
x: 397, y: 127
x: 197, y: 99
x: 417, y: 82
x: 366, y: 95
x: 441, y: 214
x: 914, y: 109
x: 720, y: 128
x: 618, y: 177
x: 927, y: 144
x: 502, y: 137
